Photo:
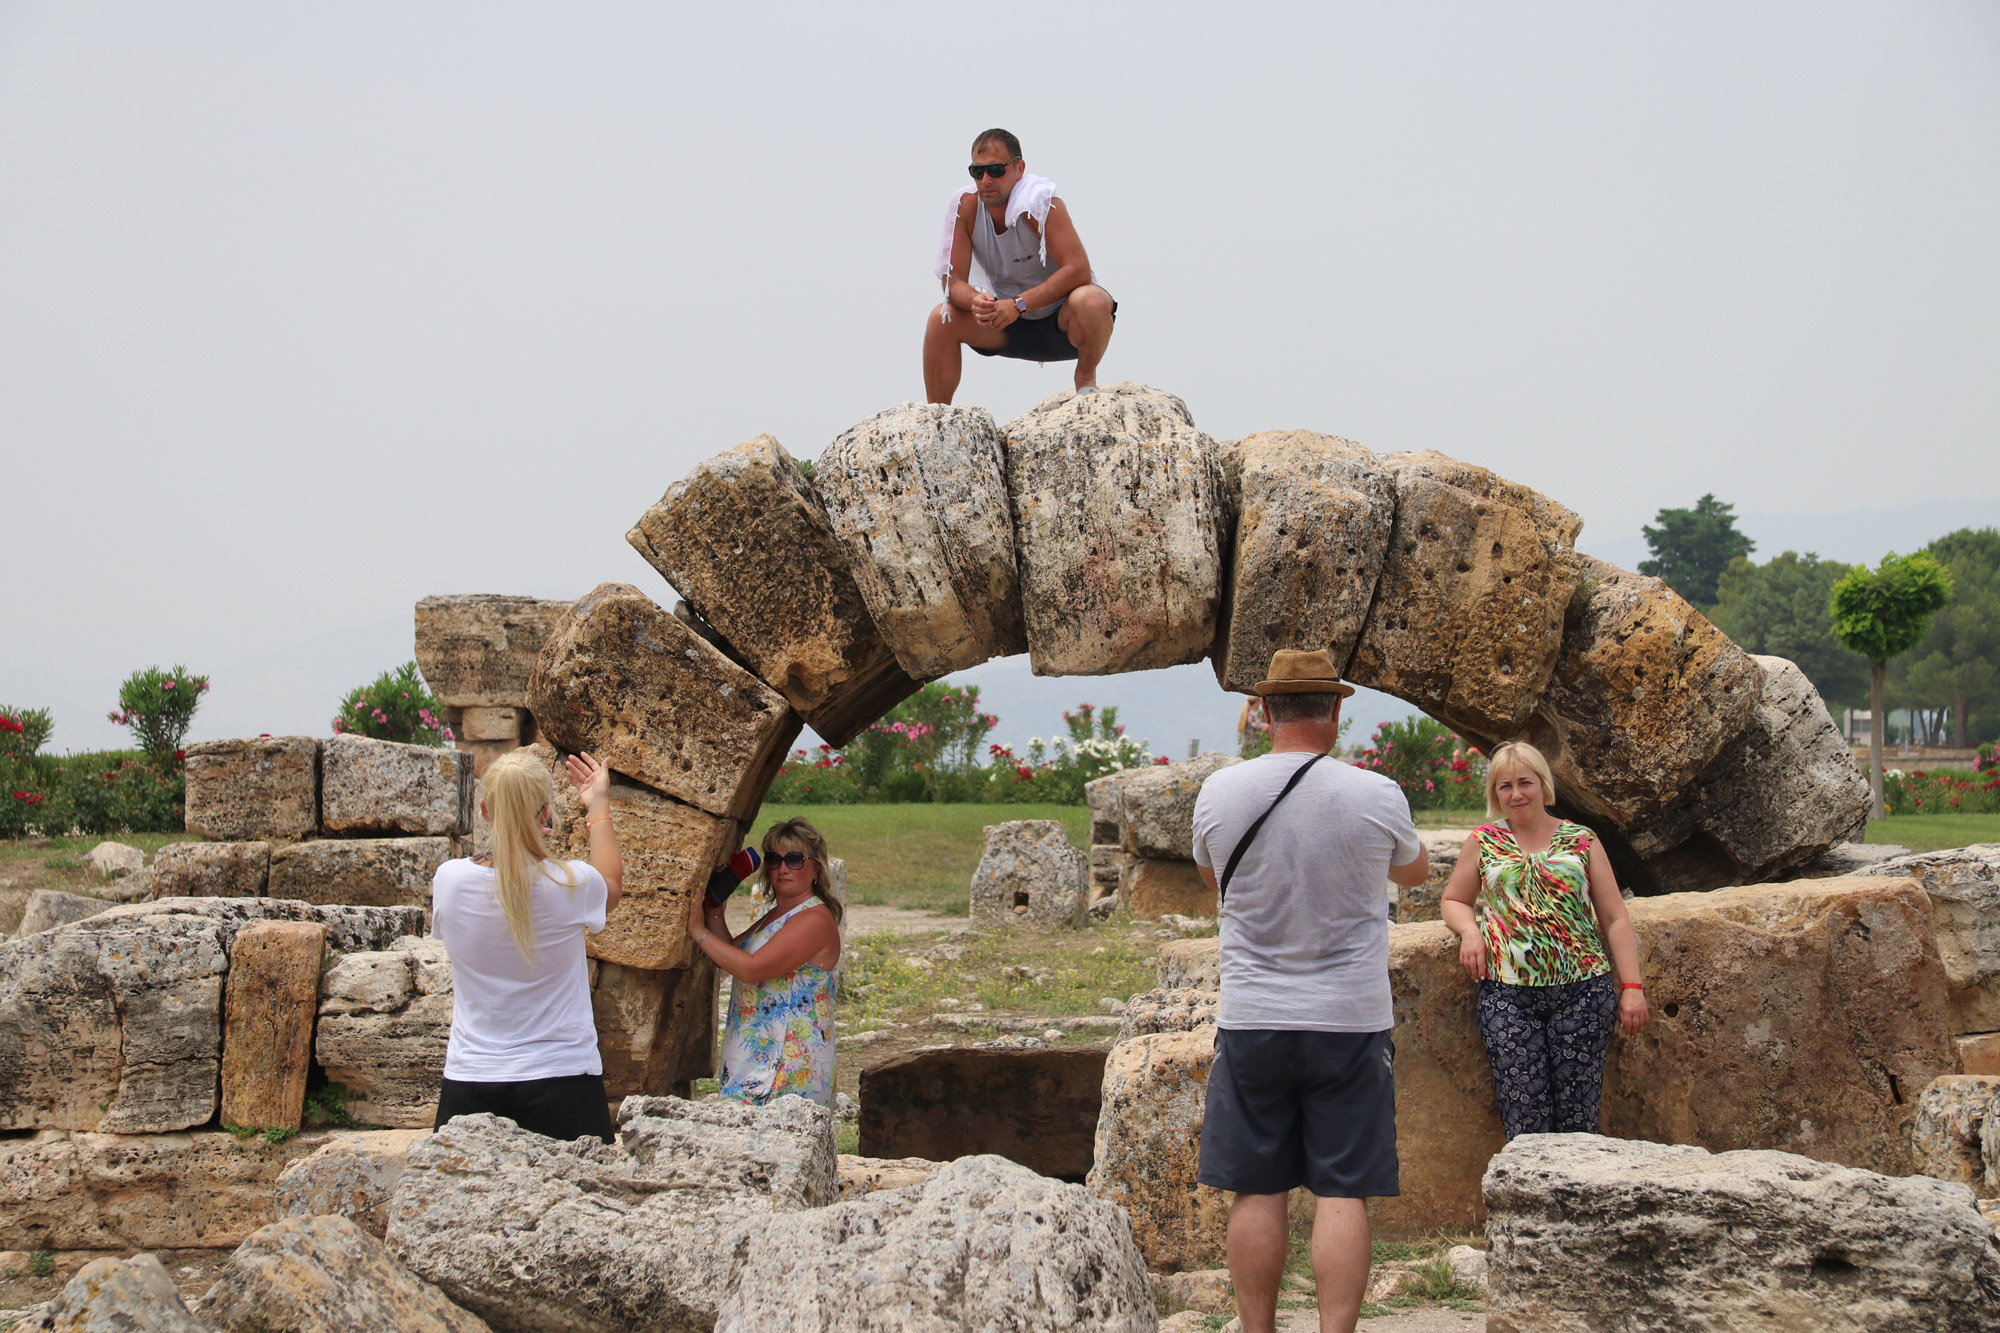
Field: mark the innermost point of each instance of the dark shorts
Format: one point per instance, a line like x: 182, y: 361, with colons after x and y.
x: 1038, y: 340
x: 561, y: 1108
x: 1301, y: 1108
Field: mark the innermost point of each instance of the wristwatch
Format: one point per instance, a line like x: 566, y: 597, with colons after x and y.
x: 1021, y: 304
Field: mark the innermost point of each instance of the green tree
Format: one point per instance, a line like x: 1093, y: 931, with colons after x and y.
x: 1883, y: 613
x: 1958, y: 663
x: 1778, y: 608
x: 159, y: 707
x: 1692, y: 547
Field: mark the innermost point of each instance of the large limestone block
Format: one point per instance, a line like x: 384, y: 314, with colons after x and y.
x: 1588, y: 1233
x: 982, y: 1244
x: 1168, y: 1011
x: 1423, y: 902
x: 494, y: 725
x: 48, y: 908
x: 371, y: 786
x: 111, y: 1295
x: 1645, y: 692
x: 267, y: 1027
x: 63, y: 1190
x: 384, y: 1021
x: 259, y: 787
x: 918, y: 495
x: 655, y: 1028
x: 745, y: 539
x: 1119, y: 530
x: 1190, y: 965
x: 382, y: 872
x: 1149, y: 889
x: 648, y: 697
x: 1035, y: 1107
x: 476, y: 650
x: 1149, y: 1148
x: 1157, y: 804
x: 1951, y: 1114
x: 582, y: 1237
x: 1468, y: 614
x: 352, y: 1175
x: 1030, y: 875
x: 1964, y: 888
x: 325, y: 1275
x: 212, y: 870
x: 861, y: 1176
x: 1777, y: 796
x: 1313, y: 516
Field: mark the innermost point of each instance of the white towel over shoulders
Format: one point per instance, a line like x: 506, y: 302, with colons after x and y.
x: 1032, y: 197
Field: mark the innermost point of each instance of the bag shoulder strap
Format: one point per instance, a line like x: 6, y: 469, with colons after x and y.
x: 1222, y: 885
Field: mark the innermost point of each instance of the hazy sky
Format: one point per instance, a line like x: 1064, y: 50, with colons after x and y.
x: 308, y: 311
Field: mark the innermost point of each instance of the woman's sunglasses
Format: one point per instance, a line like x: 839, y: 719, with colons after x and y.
x: 994, y: 170
x: 789, y: 860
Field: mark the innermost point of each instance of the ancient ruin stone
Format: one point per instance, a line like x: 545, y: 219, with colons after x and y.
x: 211, y: 870
x: 383, y: 872
x: 1107, y: 868
x: 1189, y: 965
x: 1589, y: 1233
x: 267, y: 1027
x: 1157, y: 804
x: 918, y: 495
x: 1168, y: 1011
x: 49, y: 908
x: 352, y: 1175
x: 655, y: 1029
x: 642, y: 693
x: 982, y: 1244
x: 1645, y: 692
x: 1029, y: 875
x: 784, y: 1150
x: 746, y: 541
x: 1964, y: 888
x: 1313, y: 516
x: 348, y: 928
x: 1148, y: 1148
x: 1119, y: 531
x: 476, y: 650
x: 1424, y: 901
x: 1777, y: 796
x: 861, y: 1176
x: 1468, y: 614
x: 261, y: 787
x: 113, y: 859
x: 371, y: 786
x: 384, y: 1021
x: 325, y: 1275
x: 118, y: 1294
x: 62, y: 1190
x: 1038, y: 1108
x: 1978, y: 1053
x: 1150, y: 889
x: 1945, y: 1140
x: 496, y: 725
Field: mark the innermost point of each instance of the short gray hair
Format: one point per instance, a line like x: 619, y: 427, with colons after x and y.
x: 1314, y: 706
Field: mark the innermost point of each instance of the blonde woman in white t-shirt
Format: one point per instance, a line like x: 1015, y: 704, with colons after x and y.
x: 523, y: 1043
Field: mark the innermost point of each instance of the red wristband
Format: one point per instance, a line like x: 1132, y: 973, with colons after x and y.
x: 1631, y: 985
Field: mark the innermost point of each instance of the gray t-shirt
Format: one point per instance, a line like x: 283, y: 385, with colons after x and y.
x: 1305, y: 925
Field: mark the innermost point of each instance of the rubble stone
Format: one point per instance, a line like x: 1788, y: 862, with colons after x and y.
x: 325, y: 1275
x: 116, y: 1294
x: 476, y: 650
x: 260, y: 787
x: 49, y: 908
x: 1945, y: 1140
x: 351, y: 1175
x: 1029, y: 875
x: 1423, y: 902
x: 112, y: 859
x: 1152, y: 889
x: 267, y: 1027
x: 371, y: 786
x: 1168, y: 1011
x: 1964, y: 888
x: 860, y: 1176
x: 1148, y: 1148
x: 211, y: 870
x: 1157, y: 804
x: 382, y: 872
x: 384, y: 1021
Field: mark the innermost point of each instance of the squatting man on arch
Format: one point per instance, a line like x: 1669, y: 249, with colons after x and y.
x: 1045, y: 304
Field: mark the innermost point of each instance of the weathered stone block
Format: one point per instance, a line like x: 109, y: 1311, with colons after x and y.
x: 1190, y: 965
x: 1964, y: 888
x: 493, y: 724
x: 211, y: 870
x: 1029, y: 875
x: 1119, y: 531
x: 484, y: 753
x: 1978, y: 1053
x: 1467, y: 618
x: 862, y: 1176
x: 476, y: 650
x: 1148, y: 1148
x: 655, y: 1028
x: 1168, y: 1011
x: 1945, y: 1140
x: 1038, y: 1108
x: 745, y: 539
x: 112, y: 860
x: 1645, y: 692
x: 1107, y: 868
x: 271, y: 997
x: 1589, y: 1233
x: 646, y: 696
x: 918, y: 495
x: 1150, y: 889
x: 383, y: 872
x: 384, y: 1021
x: 325, y: 1275
x: 261, y: 787
x: 371, y: 786
x: 112, y: 1293
x: 1156, y: 804
x: 352, y: 1175
x: 1313, y: 517
x: 48, y: 908
x: 1423, y: 902
x: 1777, y: 796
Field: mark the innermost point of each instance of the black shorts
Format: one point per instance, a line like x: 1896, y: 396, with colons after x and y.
x: 574, y: 1107
x: 1038, y: 340
x: 1301, y: 1108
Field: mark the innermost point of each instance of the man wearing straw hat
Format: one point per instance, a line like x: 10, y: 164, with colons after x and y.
x: 1298, y: 846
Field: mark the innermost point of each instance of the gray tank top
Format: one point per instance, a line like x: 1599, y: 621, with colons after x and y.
x: 1012, y: 262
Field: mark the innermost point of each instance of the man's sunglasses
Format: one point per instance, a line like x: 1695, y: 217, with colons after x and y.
x: 995, y: 170
x: 789, y: 860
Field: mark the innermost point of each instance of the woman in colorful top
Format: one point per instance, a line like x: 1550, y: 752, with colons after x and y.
x: 1547, y: 997
x: 779, y: 1034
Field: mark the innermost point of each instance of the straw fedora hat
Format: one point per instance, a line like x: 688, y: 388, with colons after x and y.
x: 1296, y: 671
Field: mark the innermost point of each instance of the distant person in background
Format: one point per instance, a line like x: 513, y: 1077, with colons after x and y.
x: 523, y: 1042
x: 1542, y: 951
x: 778, y: 1037
x: 1045, y: 304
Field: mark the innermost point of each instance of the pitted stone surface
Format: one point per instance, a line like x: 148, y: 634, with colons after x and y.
x: 258, y: 787
x: 380, y: 872
x: 384, y: 1021
x: 211, y: 870
x: 476, y: 650
x: 1964, y: 888
x: 1156, y: 804
x: 1951, y: 1116
x: 1030, y: 875
x: 1168, y: 1011
x: 352, y: 1175
x: 113, y: 1295
x: 371, y: 786
x: 1149, y: 1147
x: 325, y: 1275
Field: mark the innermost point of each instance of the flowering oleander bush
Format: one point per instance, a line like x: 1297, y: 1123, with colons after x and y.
x: 159, y: 706
x: 1940, y: 791
x: 1989, y: 758
x: 396, y: 706
x: 1055, y: 771
x: 23, y: 780
x: 1435, y: 766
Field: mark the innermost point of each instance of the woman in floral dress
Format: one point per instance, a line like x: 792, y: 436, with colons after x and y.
x: 1543, y: 950
x: 778, y: 1037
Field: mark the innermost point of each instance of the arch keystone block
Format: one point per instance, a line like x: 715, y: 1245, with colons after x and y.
x: 746, y: 541
x: 1118, y: 529
x: 918, y: 494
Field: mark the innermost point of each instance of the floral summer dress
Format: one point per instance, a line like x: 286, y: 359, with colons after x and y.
x: 1539, y: 926
x: 779, y: 1037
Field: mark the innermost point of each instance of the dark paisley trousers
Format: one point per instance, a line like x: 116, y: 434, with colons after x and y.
x: 1547, y: 1044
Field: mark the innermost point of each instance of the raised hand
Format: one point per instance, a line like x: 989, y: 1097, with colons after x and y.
x: 592, y: 781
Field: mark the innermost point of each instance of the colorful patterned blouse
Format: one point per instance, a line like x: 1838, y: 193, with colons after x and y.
x: 1539, y: 926
x: 779, y: 1037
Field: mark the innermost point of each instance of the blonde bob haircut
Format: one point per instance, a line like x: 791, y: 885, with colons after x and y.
x: 516, y: 790
x: 798, y: 835
x: 1516, y: 754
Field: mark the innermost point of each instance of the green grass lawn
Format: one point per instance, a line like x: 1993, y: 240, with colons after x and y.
x: 1930, y: 833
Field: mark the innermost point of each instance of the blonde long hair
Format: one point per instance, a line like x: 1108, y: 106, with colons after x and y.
x: 516, y: 789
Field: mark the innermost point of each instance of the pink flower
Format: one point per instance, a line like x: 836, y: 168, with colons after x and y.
x: 203, y: 689
x: 166, y: 685
x: 448, y: 736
